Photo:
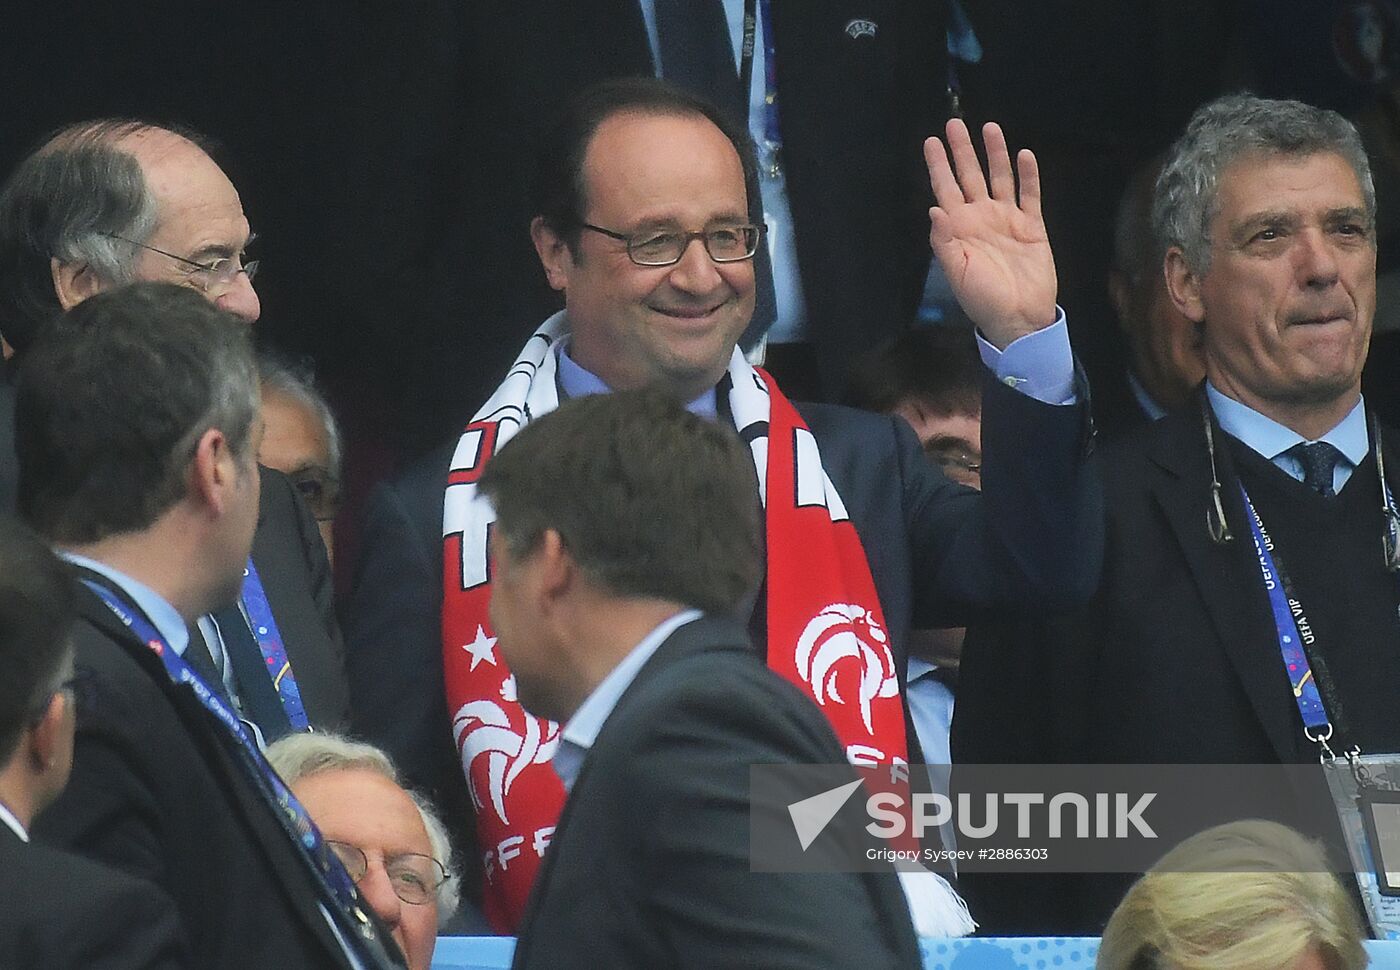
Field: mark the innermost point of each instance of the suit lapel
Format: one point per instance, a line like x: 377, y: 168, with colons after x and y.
x: 214, y: 743
x: 1180, y: 483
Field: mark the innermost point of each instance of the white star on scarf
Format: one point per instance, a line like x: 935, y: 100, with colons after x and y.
x: 481, y: 648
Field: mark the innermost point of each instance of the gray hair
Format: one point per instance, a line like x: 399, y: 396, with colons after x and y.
x: 296, y: 383
x: 1230, y: 128
x: 66, y: 201
x: 298, y: 756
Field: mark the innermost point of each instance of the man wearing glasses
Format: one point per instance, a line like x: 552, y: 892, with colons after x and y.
x: 105, y: 203
x: 391, y: 841
x: 643, y: 224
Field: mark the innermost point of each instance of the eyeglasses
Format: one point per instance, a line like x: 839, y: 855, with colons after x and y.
x: 214, y: 278
x: 949, y: 460
x: 319, y: 490
x: 414, y: 876
x: 726, y: 244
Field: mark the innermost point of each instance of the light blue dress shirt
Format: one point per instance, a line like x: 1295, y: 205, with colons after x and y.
x: 1039, y: 365
x: 1267, y: 437
x: 931, y: 707
x: 164, y: 616
x: 582, y: 729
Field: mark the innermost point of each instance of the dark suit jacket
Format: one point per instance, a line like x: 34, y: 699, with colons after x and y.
x: 62, y: 912
x: 649, y: 865
x: 454, y: 94
x: 9, y: 465
x: 1175, y: 660
x: 938, y: 553
x: 296, y: 575
x: 156, y: 792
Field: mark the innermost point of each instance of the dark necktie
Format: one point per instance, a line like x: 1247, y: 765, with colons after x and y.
x: 697, y: 53
x: 261, y: 705
x: 1319, y: 459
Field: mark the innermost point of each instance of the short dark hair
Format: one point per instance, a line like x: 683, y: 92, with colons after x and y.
x: 36, y: 620
x: 936, y: 367
x: 66, y: 200
x: 650, y: 500
x: 559, y: 194
x: 112, y: 399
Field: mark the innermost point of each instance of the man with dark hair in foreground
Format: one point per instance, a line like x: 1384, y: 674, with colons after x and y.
x: 137, y: 434
x: 621, y: 578
x: 59, y: 911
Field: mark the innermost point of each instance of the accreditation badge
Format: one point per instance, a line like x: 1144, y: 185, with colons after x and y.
x: 1365, y: 791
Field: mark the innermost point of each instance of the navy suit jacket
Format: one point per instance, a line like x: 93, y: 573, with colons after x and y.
x: 649, y: 865
x: 157, y: 792
x: 62, y: 912
x: 938, y: 552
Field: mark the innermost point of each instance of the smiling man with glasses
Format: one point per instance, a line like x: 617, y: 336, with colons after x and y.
x: 643, y: 224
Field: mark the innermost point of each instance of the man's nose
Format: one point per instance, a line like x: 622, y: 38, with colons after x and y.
x: 696, y: 272
x: 378, y: 892
x: 1317, y: 260
x: 241, y: 299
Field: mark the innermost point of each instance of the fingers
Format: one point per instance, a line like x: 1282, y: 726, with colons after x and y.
x: 998, y: 162
x: 1029, y: 173
x: 969, y: 169
x: 940, y: 174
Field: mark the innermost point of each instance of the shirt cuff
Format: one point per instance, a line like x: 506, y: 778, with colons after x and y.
x: 1039, y: 365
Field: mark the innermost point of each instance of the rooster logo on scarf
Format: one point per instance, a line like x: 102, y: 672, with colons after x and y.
x: 840, y: 632
x: 484, y: 728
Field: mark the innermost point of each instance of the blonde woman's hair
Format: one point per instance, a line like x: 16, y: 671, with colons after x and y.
x: 1249, y: 895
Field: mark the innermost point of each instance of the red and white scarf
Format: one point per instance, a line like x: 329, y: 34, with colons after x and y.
x: 826, y: 631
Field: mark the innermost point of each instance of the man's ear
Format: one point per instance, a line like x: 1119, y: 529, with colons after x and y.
x: 73, y: 282
x: 213, y: 471
x: 554, y: 252
x: 1183, y: 285
x: 558, y: 571
x: 46, y: 737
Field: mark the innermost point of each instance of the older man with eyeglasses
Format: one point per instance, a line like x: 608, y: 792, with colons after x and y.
x: 390, y: 839
x: 100, y: 204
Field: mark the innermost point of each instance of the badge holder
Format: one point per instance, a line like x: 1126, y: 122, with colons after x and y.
x: 1365, y: 791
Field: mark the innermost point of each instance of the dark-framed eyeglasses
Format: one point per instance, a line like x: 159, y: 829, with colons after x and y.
x: 319, y: 490
x: 415, y: 877
x: 214, y: 278
x: 652, y: 247
x: 955, y: 459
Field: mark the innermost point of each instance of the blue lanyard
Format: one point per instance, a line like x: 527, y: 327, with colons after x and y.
x: 770, y: 145
x: 270, y: 645
x: 1290, y: 623
x: 323, y: 862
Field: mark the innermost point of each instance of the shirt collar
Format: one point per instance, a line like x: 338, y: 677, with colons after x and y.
x: 166, y: 619
x: 1270, y: 439
x: 576, y: 381
x: 917, y: 667
x: 582, y: 729
x: 8, y: 817
x: 1149, y: 405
